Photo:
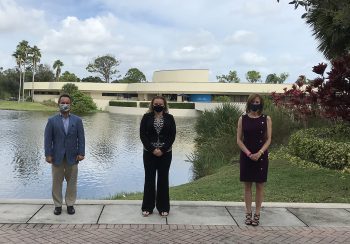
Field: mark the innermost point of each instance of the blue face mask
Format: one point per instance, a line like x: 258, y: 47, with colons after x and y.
x: 64, y: 107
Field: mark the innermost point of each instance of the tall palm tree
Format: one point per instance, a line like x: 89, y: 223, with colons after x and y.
x: 35, y: 56
x: 57, y: 65
x: 17, y: 56
x: 23, y: 48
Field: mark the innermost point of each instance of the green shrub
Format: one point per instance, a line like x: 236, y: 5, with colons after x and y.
x: 216, y: 139
x: 144, y: 104
x: 328, y: 147
x: 81, y: 103
x: 49, y: 103
x: 69, y: 89
x: 123, y: 103
x: 283, y: 124
x: 222, y: 99
x: 181, y: 105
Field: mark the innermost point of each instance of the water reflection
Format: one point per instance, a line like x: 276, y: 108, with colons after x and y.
x: 113, y: 155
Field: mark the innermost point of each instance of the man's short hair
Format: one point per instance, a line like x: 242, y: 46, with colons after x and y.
x: 64, y: 95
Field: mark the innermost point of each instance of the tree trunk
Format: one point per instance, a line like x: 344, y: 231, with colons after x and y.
x: 32, y: 93
x: 24, y: 79
x: 20, y: 84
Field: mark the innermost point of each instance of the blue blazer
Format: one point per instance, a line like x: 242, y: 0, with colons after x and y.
x: 58, y: 143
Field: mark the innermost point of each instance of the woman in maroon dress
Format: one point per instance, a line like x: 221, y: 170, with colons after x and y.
x: 254, y: 132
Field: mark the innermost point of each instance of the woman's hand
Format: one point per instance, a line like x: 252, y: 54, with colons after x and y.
x: 255, y: 156
x: 157, y: 152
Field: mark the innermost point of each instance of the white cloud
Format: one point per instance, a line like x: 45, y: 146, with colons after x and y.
x: 241, y: 37
x: 192, y: 53
x: 196, y: 47
x: 82, y: 37
x: 260, y: 8
x: 14, y: 18
x: 251, y: 58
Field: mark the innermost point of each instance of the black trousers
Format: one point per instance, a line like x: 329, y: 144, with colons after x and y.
x: 151, y: 196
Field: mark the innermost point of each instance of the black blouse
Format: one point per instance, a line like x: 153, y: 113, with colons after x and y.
x: 150, y: 137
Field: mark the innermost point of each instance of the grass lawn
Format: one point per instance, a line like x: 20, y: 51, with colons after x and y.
x: 25, y: 106
x: 286, y: 183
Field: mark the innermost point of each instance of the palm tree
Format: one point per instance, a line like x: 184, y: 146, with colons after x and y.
x: 35, y: 56
x: 23, y: 50
x: 330, y: 26
x: 57, y: 65
x: 16, y: 55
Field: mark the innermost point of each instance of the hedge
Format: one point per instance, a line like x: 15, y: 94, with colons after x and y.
x: 123, y: 104
x: 144, y: 104
x: 327, y: 147
x: 181, y: 105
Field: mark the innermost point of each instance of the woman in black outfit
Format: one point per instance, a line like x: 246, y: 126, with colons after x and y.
x: 157, y: 132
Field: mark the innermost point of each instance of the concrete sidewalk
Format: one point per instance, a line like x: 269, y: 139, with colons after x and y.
x: 192, y: 219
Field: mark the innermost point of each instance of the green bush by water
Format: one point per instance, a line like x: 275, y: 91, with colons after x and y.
x: 81, y: 103
x: 216, y: 140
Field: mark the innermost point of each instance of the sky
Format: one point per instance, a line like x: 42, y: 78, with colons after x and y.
x: 153, y: 35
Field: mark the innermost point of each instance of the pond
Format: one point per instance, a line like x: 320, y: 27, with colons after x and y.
x: 113, y: 161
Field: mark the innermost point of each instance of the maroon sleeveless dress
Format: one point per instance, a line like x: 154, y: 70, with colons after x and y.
x: 254, y: 137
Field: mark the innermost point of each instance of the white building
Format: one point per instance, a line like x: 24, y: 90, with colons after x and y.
x: 177, y: 85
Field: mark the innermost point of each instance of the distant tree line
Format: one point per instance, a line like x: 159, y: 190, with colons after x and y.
x: 29, y: 69
x: 253, y: 76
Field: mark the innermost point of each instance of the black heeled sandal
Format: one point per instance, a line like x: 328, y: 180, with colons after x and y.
x: 256, y: 219
x: 248, y: 218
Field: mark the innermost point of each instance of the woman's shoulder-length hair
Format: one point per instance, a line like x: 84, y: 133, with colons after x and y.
x: 251, y: 99
x: 166, y: 107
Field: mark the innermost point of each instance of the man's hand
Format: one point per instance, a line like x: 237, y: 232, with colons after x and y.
x: 80, y: 158
x: 49, y: 159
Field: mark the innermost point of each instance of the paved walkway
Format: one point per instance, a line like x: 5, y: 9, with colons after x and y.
x: 33, y: 221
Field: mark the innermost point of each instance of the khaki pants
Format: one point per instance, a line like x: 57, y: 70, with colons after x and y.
x: 70, y: 173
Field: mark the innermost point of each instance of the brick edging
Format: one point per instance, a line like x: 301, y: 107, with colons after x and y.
x: 168, y: 227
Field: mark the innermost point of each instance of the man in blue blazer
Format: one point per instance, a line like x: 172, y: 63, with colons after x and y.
x: 64, y: 147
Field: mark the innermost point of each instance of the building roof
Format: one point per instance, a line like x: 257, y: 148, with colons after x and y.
x: 166, y: 87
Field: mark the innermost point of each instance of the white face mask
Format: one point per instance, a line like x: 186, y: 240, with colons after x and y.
x: 64, y: 107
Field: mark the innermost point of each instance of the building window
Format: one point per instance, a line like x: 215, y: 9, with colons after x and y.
x: 109, y: 94
x: 46, y: 93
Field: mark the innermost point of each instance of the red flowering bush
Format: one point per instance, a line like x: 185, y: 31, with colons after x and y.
x: 328, y: 97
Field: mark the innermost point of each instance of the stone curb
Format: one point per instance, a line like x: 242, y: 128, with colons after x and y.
x: 183, y: 203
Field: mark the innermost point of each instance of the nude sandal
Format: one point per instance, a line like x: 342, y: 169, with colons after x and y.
x: 146, y: 213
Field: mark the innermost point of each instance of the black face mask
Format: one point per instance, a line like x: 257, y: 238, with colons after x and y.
x: 158, y: 108
x: 255, y: 107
